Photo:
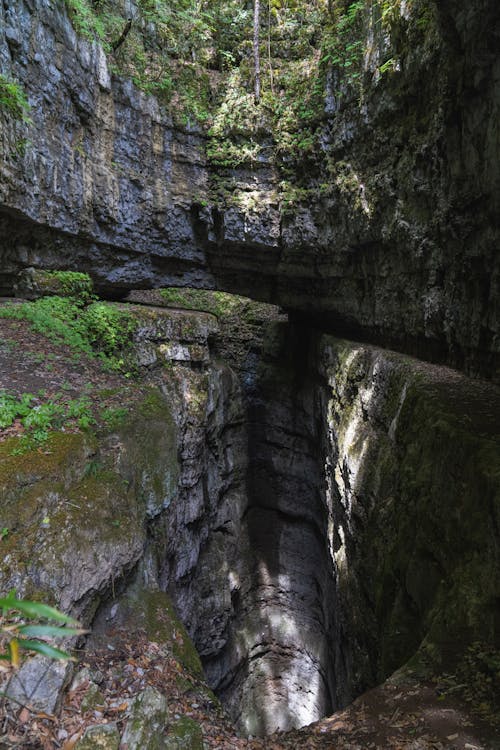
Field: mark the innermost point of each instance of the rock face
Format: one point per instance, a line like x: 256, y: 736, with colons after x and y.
x: 395, y: 241
x: 319, y: 511
x: 292, y: 554
x: 105, y: 184
x: 104, y: 736
x: 148, y: 715
x: 411, y: 452
x: 39, y: 683
x: 354, y: 553
x: 275, y: 671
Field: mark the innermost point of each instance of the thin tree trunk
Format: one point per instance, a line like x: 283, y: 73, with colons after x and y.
x: 256, y: 53
x: 271, y: 76
x: 116, y: 45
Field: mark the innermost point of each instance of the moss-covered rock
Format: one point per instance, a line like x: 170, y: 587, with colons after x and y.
x: 92, y: 699
x: 151, y: 612
x: 148, y: 460
x: 76, y: 510
x: 416, y: 456
x: 34, y: 283
x: 99, y: 737
x: 184, y: 734
x: 147, y: 717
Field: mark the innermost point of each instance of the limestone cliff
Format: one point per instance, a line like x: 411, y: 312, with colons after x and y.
x: 321, y: 512
x: 391, y: 231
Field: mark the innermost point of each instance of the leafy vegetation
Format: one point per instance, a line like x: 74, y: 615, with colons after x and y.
x: 13, y: 99
x: 199, y: 59
x: 343, y: 46
x: 167, y: 50
x: 16, y: 635
x: 114, y: 416
x: 96, y: 329
x: 69, y: 284
x: 38, y: 415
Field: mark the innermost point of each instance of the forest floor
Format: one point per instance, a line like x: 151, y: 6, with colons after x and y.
x: 398, y: 715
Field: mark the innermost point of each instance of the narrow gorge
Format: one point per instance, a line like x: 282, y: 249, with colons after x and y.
x: 249, y: 374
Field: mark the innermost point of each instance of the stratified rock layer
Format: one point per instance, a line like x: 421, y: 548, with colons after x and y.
x: 395, y: 240
x: 319, y: 511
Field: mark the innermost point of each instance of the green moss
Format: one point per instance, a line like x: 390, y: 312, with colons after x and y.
x: 92, y: 699
x: 115, y: 417
x: 58, y: 512
x: 420, y: 578
x: 153, y: 406
x: 148, y: 461
x: 217, y: 303
x: 443, y: 547
x: 185, y: 734
x: 153, y: 612
x: 62, y: 456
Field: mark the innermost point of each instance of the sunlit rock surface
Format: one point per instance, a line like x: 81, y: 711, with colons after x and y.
x: 320, y: 511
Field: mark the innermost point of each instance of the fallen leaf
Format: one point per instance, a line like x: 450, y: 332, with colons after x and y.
x: 71, y: 742
x: 24, y: 715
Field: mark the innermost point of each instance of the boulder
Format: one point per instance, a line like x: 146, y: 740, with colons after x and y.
x: 148, y: 715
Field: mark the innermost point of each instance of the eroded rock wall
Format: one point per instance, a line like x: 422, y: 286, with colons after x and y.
x: 412, y: 485
x: 319, y: 511
x: 246, y: 558
x: 370, y: 528
x: 276, y: 671
x: 99, y: 180
x: 395, y: 240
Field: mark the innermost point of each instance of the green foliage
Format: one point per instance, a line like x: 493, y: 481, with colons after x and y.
x: 38, y: 416
x: 16, y: 633
x: 80, y: 410
x: 13, y: 99
x: 388, y: 65
x: 109, y: 331
x: 93, y: 468
x: 342, y: 44
x: 99, y: 329
x: 40, y: 419
x: 73, y: 284
x: 85, y: 20
x: 57, y: 318
x: 168, y: 48
x: 12, y: 407
x: 114, y: 416
x: 196, y: 58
